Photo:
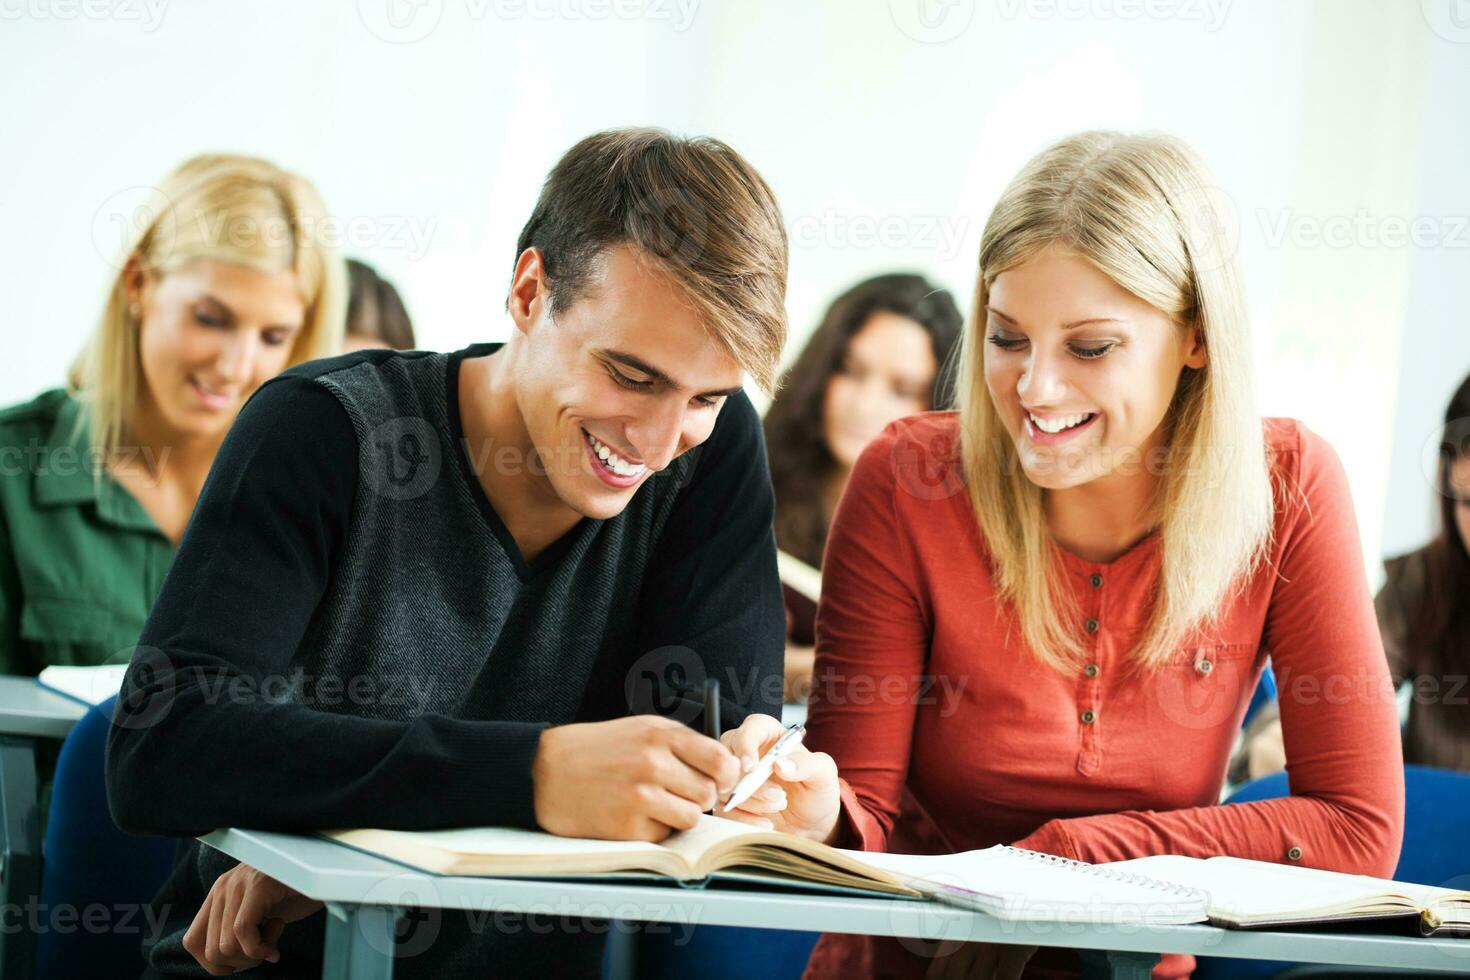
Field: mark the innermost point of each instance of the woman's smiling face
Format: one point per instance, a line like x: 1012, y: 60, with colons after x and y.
x: 1081, y: 371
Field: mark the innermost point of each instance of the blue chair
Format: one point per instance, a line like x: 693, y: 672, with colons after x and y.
x: 1436, y: 825
x: 89, y: 862
x: 1263, y: 695
x: 723, y: 953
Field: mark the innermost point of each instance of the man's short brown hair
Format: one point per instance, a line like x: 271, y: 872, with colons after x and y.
x: 694, y: 206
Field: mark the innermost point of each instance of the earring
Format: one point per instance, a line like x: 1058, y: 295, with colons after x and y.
x: 134, y: 309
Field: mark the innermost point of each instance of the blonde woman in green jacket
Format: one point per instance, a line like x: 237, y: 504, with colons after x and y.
x: 226, y: 284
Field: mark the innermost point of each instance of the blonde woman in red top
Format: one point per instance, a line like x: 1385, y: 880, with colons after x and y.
x: 1045, y: 613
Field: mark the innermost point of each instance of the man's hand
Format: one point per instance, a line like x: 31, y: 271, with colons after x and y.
x: 801, y: 797
x: 635, y: 778
x: 241, y: 921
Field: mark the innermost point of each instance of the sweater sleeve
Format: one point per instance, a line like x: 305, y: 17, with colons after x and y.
x: 872, y: 645
x: 1338, y: 716
x: 202, y: 738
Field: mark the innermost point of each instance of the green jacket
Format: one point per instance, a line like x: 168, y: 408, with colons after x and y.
x: 80, y: 561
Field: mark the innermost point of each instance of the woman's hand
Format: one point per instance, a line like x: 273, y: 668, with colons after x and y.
x: 981, y: 961
x: 241, y: 921
x: 801, y: 796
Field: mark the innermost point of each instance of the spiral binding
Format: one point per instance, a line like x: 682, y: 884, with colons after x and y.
x: 1126, y: 877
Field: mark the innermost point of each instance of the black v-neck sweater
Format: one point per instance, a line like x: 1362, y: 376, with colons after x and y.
x: 348, y: 636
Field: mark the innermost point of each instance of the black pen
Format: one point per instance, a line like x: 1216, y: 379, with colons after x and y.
x: 712, y: 708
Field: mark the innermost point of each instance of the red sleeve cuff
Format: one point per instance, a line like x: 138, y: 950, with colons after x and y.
x: 1051, y: 838
x: 857, y: 829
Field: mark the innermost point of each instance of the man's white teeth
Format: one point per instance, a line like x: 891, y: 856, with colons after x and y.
x: 1061, y: 422
x: 614, y: 462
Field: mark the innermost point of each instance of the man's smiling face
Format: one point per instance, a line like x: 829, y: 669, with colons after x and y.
x: 620, y: 383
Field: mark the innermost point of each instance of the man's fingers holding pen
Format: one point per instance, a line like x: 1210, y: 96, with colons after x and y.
x: 709, y: 757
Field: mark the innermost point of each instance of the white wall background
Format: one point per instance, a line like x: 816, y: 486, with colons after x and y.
x: 887, y: 128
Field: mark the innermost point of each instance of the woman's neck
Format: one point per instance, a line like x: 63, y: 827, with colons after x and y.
x: 163, y: 455
x: 1101, y: 520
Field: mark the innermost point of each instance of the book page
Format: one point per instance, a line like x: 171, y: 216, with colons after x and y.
x: 719, y: 843
x: 508, y: 851
x: 711, y: 837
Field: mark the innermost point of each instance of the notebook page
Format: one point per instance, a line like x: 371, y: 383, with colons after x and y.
x: 1016, y: 884
x: 1259, y: 889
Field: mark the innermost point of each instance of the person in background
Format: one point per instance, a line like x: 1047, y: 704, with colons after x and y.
x: 1069, y: 586
x: 1424, y: 615
x: 878, y: 355
x: 376, y: 316
x: 98, y: 480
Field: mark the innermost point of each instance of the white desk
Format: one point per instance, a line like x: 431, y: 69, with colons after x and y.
x: 28, y: 709
x: 365, y: 895
x: 28, y: 712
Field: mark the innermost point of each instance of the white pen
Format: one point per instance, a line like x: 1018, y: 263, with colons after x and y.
x: 753, y: 780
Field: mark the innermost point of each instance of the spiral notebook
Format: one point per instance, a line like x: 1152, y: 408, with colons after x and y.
x: 1016, y: 884
x: 1004, y: 881
x: 1260, y: 895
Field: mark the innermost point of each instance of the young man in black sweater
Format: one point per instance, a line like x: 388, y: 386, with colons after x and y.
x: 424, y: 590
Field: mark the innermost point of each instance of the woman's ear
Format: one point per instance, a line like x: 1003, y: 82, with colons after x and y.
x: 133, y: 278
x: 1195, y: 355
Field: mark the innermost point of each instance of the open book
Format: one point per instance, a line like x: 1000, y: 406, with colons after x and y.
x: 715, y: 847
x: 1003, y: 881
x: 1260, y: 895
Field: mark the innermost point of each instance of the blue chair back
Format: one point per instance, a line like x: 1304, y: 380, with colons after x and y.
x: 88, y: 862
x: 1263, y: 695
x: 723, y: 953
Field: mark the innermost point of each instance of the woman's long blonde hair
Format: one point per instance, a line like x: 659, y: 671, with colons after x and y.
x: 1143, y: 210
x: 227, y: 208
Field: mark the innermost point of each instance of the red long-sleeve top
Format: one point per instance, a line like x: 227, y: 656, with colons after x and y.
x: 922, y: 679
